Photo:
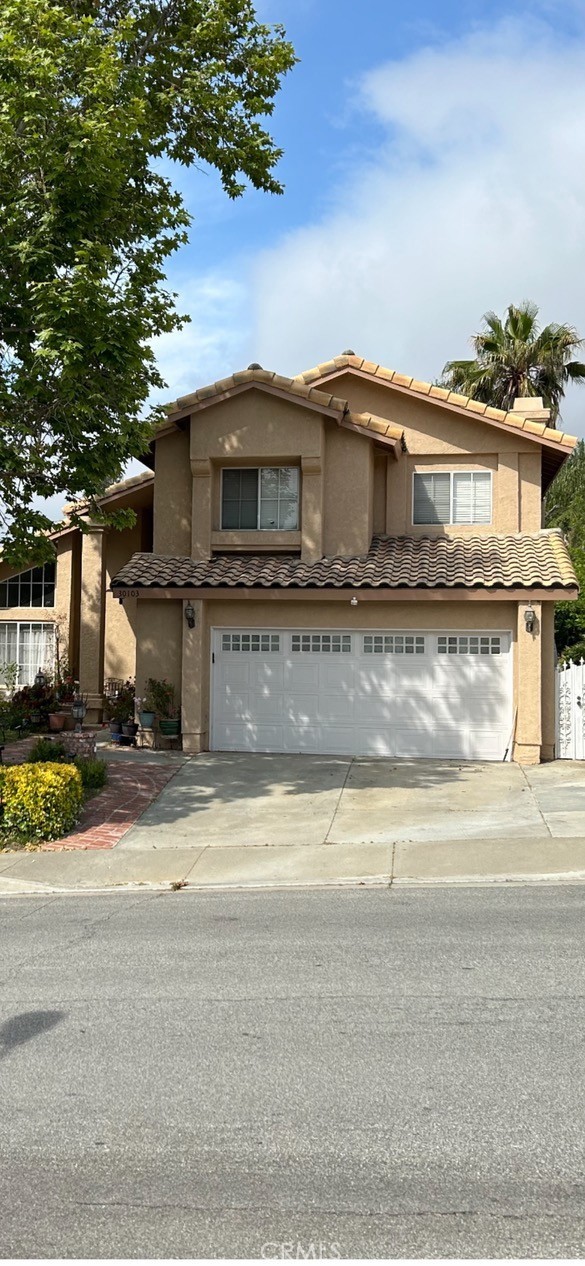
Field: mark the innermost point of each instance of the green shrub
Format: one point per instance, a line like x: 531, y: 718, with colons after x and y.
x: 94, y: 772
x: 40, y: 801
x: 45, y: 750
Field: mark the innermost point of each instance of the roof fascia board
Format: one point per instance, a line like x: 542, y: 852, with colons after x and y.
x: 211, y: 594
x: 450, y: 405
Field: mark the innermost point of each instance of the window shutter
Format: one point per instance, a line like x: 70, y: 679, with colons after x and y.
x: 432, y: 495
x: 482, y: 497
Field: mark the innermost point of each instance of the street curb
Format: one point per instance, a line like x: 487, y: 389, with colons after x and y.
x: 566, y: 878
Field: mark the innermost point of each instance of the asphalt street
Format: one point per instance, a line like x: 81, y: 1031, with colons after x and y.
x: 344, y: 1073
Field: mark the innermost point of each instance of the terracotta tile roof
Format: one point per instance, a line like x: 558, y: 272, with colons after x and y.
x: 114, y: 490
x: 379, y: 428
x: 439, y: 394
x: 522, y: 561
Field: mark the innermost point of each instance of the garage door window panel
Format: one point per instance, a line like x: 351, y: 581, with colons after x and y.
x: 469, y: 644
x: 244, y: 642
x: 393, y: 644
x: 322, y: 643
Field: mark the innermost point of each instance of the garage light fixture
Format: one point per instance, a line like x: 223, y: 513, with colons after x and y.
x: 354, y: 601
x: 190, y: 615
x: 529, y: 618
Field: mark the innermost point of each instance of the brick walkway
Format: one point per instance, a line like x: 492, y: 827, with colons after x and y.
x: 111, y: 812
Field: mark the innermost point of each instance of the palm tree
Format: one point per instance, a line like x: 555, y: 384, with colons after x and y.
x: 514, y: 357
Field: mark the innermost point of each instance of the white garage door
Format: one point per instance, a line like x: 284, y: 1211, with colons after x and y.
x: 371, y: 693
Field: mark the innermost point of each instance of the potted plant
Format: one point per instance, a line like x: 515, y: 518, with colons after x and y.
x: 162, y: 698
x: 147, y: 710
x: 36, y: 702
x: 119, y: 711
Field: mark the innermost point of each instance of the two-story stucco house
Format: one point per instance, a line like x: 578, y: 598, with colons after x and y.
x: 349, y: 561
x: 352, y: 561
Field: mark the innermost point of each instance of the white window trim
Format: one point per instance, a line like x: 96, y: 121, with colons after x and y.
x: 258, y: 528
x: 451, y: 472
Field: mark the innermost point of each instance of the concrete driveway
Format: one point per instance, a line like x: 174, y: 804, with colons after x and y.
x: 225, y: 800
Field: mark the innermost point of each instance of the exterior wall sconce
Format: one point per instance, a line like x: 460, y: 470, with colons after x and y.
x: 354, y: 601
x: 190, y: 615
x: 529, y: 619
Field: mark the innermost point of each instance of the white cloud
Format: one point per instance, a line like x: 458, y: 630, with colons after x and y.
x: 475, y: 199
x: 214, y: 339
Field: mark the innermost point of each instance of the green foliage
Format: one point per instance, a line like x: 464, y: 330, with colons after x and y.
x: 34, y: 699
x: 96, y: 101
x: 94, y: 772
x: 120, y: 707
x: 160, y: 698
x: 9, y: 676
x: 576, y: 652
x: 45, y: 750
x: 40, y: 802
x: 565, y: 509
x: 515, y: 358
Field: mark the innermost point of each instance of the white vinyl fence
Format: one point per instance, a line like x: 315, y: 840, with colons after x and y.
x: 570, y: 685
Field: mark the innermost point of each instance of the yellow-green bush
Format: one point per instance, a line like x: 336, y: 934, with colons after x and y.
x: 40, y: 802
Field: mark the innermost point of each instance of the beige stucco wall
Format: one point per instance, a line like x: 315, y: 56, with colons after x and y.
x: 256, y: 428
x: 341, y: 471
x: 120, y: 626
x: 172, y: 495
x: 440, y: 440
x: 159, y: 640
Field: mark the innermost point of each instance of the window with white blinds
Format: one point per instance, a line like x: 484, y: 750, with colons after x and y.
x: 472, y: 497
x: 453, y: 497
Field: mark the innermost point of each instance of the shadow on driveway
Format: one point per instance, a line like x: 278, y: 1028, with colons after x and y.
x: 234, y: 799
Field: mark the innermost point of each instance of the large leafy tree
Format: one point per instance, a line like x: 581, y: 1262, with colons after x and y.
x: 565, y: 508
x: 514, y: 357
x: 96, y: 96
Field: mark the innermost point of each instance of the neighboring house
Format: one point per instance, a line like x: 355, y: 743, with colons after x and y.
x: 64, y: 607
x: 350, y: 561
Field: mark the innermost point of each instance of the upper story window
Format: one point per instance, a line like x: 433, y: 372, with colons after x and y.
x: 33, y: 588
x: 265, y: 498
x: 453, y: 497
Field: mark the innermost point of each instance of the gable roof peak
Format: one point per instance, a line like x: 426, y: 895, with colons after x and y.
x: 534, y: 422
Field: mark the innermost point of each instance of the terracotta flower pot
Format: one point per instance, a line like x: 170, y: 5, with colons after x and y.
x: 56, y: 721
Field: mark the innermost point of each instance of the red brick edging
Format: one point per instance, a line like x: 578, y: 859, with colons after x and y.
x: 111, y: 812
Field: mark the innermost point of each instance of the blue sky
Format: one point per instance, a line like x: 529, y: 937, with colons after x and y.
x: 434, y: 167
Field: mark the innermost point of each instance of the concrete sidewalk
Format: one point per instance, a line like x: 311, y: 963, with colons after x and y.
x: 469, y: 861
